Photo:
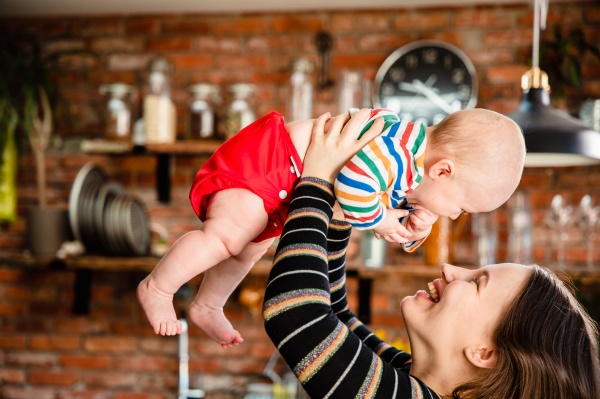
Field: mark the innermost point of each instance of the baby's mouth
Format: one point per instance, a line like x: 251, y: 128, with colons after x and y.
x: 433, y: 292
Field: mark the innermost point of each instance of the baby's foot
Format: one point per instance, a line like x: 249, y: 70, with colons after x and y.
x: 158, y: 307
x: 214, y: 323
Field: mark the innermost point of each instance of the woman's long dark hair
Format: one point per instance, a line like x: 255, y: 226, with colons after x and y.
x: 546, y: 347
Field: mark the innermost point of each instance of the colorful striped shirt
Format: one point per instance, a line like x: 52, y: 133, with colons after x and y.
x: 332, y: 354
x: 382, y: 173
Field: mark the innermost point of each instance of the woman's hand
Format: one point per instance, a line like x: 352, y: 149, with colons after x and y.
x: 329, y: 152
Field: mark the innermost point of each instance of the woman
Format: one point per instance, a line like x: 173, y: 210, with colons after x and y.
x: 502, y: 331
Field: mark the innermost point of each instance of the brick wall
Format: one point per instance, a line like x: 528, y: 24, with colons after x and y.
x: 47, y: 352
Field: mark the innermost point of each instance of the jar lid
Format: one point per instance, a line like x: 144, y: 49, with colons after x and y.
x: 203, y: 88
x: 117, y: 89
x: 243, y: 89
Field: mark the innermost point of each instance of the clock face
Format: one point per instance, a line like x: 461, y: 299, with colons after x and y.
x: 425, y: 81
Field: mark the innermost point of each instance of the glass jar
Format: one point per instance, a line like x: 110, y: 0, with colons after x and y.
x: 117, y: 112
x: 350, y: 91
x: 159, y: 110
x: 301, y: 98
x: 239, y: 113
x: 202, y: 114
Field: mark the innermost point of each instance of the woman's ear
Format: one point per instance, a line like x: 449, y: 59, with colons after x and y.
x: 481, y: 357
x: 442, y: 168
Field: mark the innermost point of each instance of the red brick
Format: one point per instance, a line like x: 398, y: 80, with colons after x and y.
x: 142, y: 26
x: 31, y: 359
x: 12, y: 376
x: 58, y: 342
x: 82, y: 326
x: 592, y: 14
x: 355, y: 61
x: 506, y: 74
x: 128, y: 62
x: 9, y: 341
x: 421, y: 21
x: 86, y: 362
x: 191, y: 61
x: 256, y: 61
x: 11, y: 392
x: 98, y: 27
x: 108, y: 45
x: 144, y: 363
x: 378, y: 41
x: 188, y: 26
x: 83, y: 394
x: 483, y: 18
x: 169, y: 44
x: 297, y: 24
x: 110, y: 380
x: 38, y: 377
x: 110, y: 344
x: 11, y: 274
x: 12, y: 309
x: 363, y: 21
x: 136, y: 395
x: 271, y: 43
x: 244, y: 26
x: 508, y: 38
x: 219, y: 44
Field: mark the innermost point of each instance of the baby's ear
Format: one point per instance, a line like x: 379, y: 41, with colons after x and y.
x: 481, y: 357
x: 442, y: 168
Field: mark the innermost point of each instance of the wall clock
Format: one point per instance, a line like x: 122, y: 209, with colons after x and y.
x: 425, y: 81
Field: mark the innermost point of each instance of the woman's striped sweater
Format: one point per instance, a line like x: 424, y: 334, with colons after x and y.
x: 380, y: 175
x: 306, y: 315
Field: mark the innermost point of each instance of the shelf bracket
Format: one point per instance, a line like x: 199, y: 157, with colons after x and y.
x: 163, y: 177
x: 83, y: 289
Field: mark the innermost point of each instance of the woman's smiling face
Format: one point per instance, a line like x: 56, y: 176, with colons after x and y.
x: 469, y: 305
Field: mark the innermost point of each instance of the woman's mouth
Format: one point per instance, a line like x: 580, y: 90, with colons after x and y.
x: 433, y: 293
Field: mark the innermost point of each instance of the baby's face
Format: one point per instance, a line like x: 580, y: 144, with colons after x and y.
x: 452, y: 197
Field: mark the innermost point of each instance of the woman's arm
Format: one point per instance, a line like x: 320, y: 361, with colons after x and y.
x: 329, y: 360
x: 338, y: 237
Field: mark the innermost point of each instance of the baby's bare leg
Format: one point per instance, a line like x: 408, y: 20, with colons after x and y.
x: 235, y: 217
x: 206, y: 311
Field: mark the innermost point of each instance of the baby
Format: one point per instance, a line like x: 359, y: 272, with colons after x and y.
x: 473, y: 163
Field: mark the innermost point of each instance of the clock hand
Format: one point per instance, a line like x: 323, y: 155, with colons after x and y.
x: 433, y: 96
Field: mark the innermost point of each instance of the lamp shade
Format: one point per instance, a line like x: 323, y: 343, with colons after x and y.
x: 551, y: 137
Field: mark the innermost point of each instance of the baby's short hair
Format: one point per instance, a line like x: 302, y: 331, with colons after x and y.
x: 475, y: 135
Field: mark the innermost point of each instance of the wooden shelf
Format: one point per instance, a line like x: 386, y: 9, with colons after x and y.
x: 85, y: 266
x: 162, y: 152
x: 180, y: 147
x: 415, y: 268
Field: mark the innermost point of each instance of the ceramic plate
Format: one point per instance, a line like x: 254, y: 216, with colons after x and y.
x: 89, y: 176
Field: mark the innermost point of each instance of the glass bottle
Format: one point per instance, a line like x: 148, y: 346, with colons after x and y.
x: 519, y: 234
x: 239, y: 113
x: 159, y: 110
x: 202, y: 111
x: 117, y: 112
x: 485, y: 231
x: 301, y: 98
x: 350, y: 93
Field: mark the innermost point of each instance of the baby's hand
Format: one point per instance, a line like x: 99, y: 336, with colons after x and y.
x: 391, y: 230
x: 420, y: 222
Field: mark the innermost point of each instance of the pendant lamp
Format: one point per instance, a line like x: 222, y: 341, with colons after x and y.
x: 553, y: 138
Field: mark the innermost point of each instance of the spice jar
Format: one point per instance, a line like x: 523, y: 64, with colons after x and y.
x: 202, y: 114
x: 239, y: 113
x: 301, y: 99
x: 159, y: 110
x: 117, y: 112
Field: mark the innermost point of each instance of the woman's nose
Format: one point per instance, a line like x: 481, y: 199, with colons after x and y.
x: 451, y: 272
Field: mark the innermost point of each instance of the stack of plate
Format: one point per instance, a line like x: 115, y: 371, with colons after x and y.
x: 105, y: 219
